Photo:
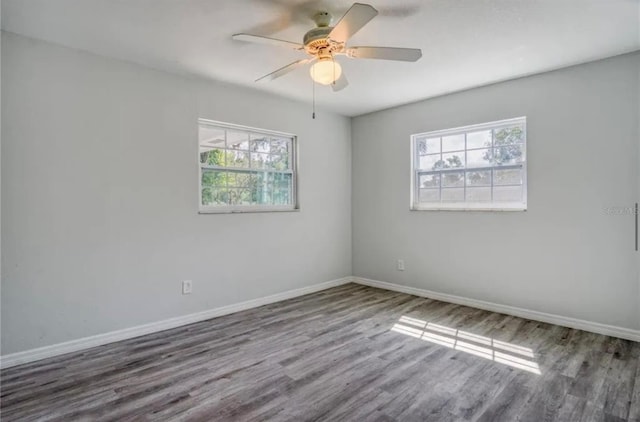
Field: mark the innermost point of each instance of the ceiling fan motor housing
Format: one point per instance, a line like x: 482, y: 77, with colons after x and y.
x: 317, y: 43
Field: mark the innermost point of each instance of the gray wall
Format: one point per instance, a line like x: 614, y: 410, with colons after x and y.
x: 99, y: 207
x: 564, y: 255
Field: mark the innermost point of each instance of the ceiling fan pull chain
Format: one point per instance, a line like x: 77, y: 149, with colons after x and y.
x: 313, y: 89
x: 333, y: 68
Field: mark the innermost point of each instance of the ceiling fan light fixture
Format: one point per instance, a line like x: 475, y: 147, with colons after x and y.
x: 325, y: 71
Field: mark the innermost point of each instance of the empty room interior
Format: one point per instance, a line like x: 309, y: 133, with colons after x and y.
x: 298, y: 210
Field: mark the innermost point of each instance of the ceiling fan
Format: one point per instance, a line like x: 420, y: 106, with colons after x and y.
x: 325, y: 42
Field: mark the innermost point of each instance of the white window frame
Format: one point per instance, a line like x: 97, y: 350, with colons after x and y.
x: 227, y: 209
x: 415, y: 205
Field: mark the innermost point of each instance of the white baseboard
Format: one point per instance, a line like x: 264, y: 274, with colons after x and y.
x: 32, y: 355
x: 594, y: 327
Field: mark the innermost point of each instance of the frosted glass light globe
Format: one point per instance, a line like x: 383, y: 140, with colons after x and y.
x: 325, y: 71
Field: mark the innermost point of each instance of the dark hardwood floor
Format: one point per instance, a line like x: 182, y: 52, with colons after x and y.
x: 351, y: 353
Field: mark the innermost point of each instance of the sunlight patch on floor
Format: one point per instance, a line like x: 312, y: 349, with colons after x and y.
x: 485, y: 347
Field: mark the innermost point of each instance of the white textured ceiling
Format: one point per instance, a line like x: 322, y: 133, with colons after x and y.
x: 465, y: 43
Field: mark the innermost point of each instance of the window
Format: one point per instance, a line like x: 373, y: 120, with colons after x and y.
x: 245, y: 169
x: 480, y: 167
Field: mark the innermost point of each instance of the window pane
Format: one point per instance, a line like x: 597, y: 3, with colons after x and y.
x: 508, y: 154
x: 279, y: 146
x: 508, y: 136
x: 453, y: 143
x: 234, y: 197
x: 428, y: 162
x: 507, y: 193
x: 429, y: 180
x: 479, y: 139
x: 260, y: 143
x: 279, y: 162
x: 453, y: 195
x: 428, y: 145
x: 213, y: 157
x: 282, y: 189
x: 266, y: 196
x: 454, y: 179
x: 429, y: 195
x: 259, y: 186
x: 479, y: 178
x: 215, y: 196
x: 214, y: 178
x: 232, y: 179
x: 281, y: 197
x: 283, y: 181
x: 239, y: 196
x: 237, y: 140
x: 259, y: 160
x: 478, y: 194
x: 244, y: 196
x: 207, y: 197
x: 210, y: 136
x: 479, y: 158
x: 451, y: 160
x: 237, y: 159
x: 507, y: 177
x: 256, y: 196
x: 243, y: 180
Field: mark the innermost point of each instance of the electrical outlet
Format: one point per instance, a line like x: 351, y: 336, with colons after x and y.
x: 401, y: 265
x: 187, y: 287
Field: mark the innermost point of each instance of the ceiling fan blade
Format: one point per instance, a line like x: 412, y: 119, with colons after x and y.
x: 340, y: 84
x: 284, y: 70
x: 355, y: 18
x: 257, y: 39
x: 385, y: 53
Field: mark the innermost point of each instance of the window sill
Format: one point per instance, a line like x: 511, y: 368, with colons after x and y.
x: 467, y: 207
x: 220, y: 210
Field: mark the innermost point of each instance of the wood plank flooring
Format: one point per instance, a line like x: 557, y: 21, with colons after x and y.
x: 351, y: 353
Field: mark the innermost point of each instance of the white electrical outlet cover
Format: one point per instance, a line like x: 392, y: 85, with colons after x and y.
x: 186, y: 287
